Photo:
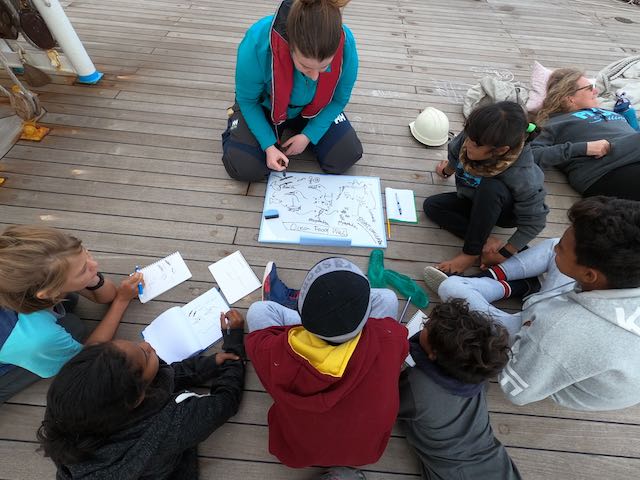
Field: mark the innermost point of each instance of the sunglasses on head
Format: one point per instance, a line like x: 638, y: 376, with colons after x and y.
x: 591, y: 87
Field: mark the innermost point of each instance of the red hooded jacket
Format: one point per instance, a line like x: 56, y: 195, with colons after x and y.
x: 318, y: 419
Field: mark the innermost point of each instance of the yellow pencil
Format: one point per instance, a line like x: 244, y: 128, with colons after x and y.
x: 388, y: 230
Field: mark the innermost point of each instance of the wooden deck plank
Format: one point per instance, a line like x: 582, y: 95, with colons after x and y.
x: 133, y: 167
x: 249, y: 428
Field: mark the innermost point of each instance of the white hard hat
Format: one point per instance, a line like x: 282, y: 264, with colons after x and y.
x: 431, y: 127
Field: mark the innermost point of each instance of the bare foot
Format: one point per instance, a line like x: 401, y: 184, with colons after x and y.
x: 458, y: 264
x: 493, y: 244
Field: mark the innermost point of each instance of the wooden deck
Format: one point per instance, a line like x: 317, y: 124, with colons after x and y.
x: 132, y: 166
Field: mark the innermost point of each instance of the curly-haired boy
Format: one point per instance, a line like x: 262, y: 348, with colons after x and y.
x: 580, y: 338
x: 443, y: 405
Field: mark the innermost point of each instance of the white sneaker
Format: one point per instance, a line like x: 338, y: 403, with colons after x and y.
x: 433, y: 278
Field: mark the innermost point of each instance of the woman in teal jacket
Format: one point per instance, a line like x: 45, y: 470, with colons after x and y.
x: 295, y: 70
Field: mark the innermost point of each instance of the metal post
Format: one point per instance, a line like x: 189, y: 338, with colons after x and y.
x: 68, y: 39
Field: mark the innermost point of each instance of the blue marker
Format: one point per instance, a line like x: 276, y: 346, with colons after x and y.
x: 140, y: 288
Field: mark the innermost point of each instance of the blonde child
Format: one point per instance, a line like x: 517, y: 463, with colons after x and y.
x: 40, y: 270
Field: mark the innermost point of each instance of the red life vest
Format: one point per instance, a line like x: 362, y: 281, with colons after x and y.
x: 282, y: 72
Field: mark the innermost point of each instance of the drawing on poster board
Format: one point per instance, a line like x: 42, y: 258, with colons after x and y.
x: 324, y: 210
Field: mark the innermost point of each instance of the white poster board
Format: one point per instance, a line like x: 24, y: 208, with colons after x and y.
x: 328, y: 210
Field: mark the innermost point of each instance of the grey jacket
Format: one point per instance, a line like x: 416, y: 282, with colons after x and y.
x: 447, y: 424
x: 582, y: 349
x: 563, y: 144
x: 525, y: 181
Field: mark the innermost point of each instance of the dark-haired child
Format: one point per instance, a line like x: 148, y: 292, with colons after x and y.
x: 497, y: 183
x: 580, y: 337
x: 443, y: 405
x: 114, y: 412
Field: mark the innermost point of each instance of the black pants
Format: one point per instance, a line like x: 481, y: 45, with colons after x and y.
x: 244, y: 159
x: 473, y: 220
x: 621, y: 182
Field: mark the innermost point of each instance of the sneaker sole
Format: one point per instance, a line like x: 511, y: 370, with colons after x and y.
x: 433, y: 278
x: 265, y: 276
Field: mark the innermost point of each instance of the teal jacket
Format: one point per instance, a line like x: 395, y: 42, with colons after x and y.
x: 253, y: 84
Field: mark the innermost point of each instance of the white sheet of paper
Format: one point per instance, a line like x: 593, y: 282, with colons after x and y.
x: 181, y: 332
x: 234, y: 277
x: 169, y: 338
x: 401, y: 205
x: 203, y: 316
x: 163, y: 275
x: 414, y: 325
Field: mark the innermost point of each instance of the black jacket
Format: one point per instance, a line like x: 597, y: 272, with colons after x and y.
x: 159, y: 440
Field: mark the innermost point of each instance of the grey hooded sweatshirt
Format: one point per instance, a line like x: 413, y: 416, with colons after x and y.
x: 582, y: 349
x: 447, y: 424
x: 563, y: 144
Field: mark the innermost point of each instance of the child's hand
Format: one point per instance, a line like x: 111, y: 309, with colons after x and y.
x: 128, y: 288
x: 223, y: 357
x: 231, y: 320
x: 441, y: 169
x: 489, y: 259
x: 492, y: 245
x: 232, y: 325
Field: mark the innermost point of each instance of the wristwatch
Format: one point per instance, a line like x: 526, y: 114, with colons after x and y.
x: 505, y: 253
x: 99, y: 284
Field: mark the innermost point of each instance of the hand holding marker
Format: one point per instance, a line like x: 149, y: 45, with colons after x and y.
x: 282, y: 164
x: 140, y: 288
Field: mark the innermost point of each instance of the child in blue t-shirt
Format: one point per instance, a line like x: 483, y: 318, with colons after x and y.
x: 40, y: 269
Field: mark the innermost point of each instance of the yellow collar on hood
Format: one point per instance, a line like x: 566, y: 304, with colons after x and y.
x: 324, y: 357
